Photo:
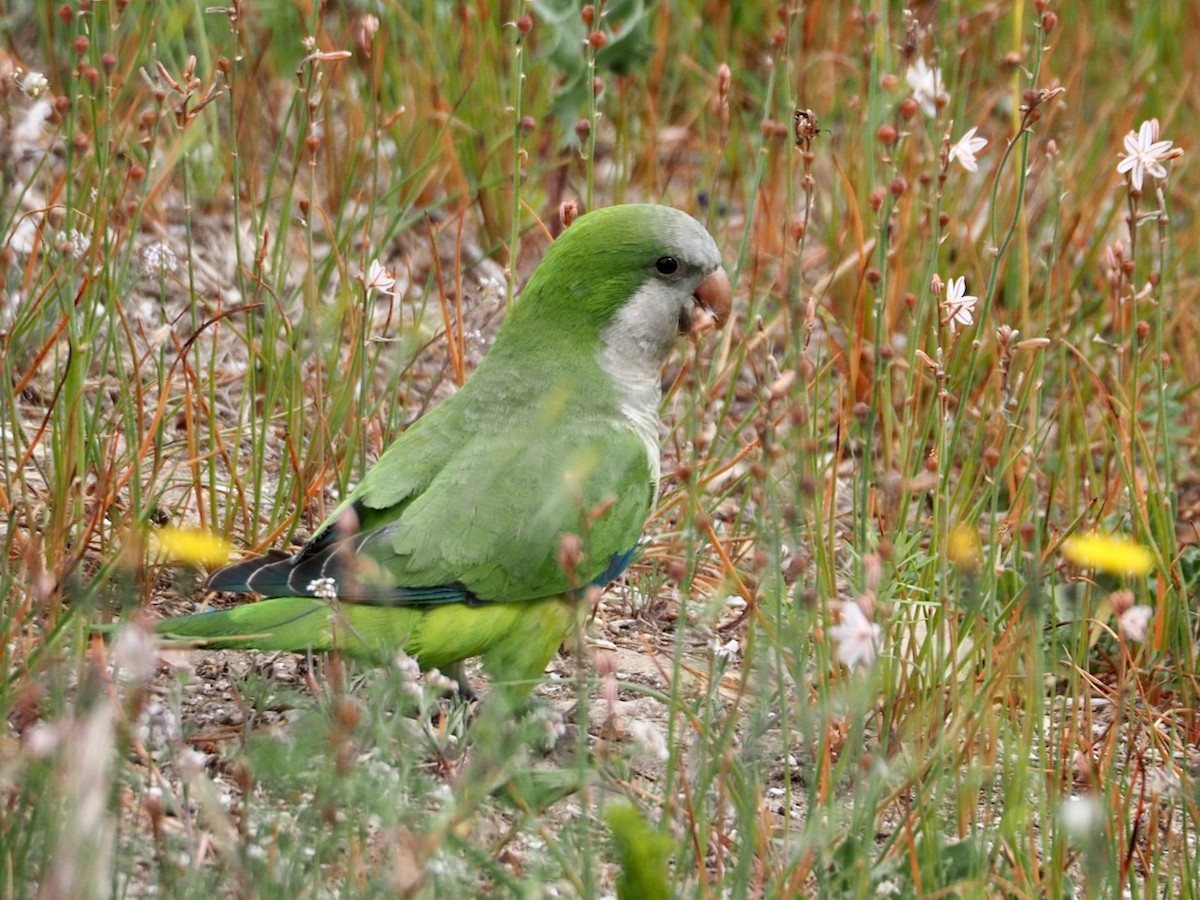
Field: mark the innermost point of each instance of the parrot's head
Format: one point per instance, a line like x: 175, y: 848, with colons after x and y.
x: 632, y: 277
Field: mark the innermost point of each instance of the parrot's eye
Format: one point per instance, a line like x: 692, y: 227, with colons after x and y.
x: 666, y: 265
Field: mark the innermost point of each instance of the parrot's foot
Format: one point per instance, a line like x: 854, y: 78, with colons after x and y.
x: 457, y: 672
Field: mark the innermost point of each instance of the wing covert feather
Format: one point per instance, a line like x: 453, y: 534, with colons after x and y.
x: 494, y: 517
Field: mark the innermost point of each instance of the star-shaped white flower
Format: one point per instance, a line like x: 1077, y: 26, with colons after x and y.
x: 380, y: 279
x: 926, y: 85
x: 857, y: 637
x: 966, y: 148
x: 958, y: 303
x: 1144, y: 152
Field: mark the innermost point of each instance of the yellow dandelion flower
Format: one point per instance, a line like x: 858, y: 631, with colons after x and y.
x: 963, y: 548
x: 1108, y: 553
x: 191, y: 546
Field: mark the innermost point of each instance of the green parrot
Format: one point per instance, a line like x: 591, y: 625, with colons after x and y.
x: 478, y: 531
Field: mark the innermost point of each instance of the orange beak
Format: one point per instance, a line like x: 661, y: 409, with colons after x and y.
x: 715, y: 295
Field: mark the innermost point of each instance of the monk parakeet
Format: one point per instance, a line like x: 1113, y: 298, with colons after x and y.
x: 478, y: 531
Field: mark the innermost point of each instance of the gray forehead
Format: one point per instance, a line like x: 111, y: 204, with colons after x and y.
x: 688, y: 237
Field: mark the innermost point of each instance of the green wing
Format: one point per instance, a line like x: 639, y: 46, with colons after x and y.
x: 477, y: 500
x: 494, y: 517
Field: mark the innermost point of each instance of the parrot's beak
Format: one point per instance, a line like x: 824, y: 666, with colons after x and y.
x: 714, y: 296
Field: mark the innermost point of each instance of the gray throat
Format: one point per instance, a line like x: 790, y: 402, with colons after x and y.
x: 634, y: 347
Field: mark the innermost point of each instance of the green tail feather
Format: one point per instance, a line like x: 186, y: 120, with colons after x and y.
x: 296, y: 624
x: 516, y: 640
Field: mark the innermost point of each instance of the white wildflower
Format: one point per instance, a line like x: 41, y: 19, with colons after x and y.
x: 926, y: 86
x: 964, y: 151
x: 958, y: 303
x: 857, y: 637
x: 33, y: 85
x: 724, y: 651
x: 380, y: 279
x: 1146, y: 153
x: 410, y: 674
x: 325, y: 588
x: 1134, y: 622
